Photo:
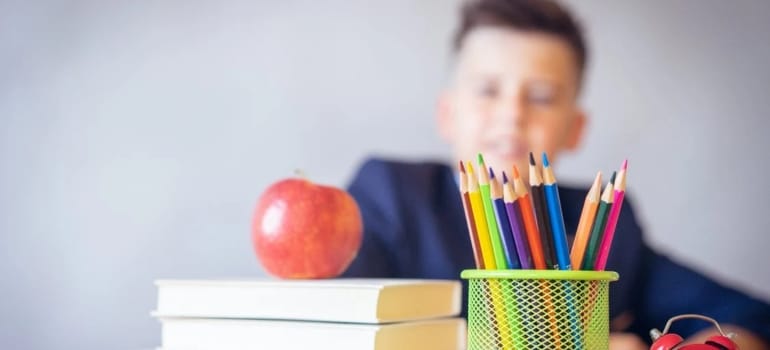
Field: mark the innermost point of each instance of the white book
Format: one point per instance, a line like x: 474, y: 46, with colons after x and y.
x: 332, y: 300
x: 229, y: 334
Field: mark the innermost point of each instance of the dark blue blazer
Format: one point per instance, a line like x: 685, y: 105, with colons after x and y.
x: 415, y: 228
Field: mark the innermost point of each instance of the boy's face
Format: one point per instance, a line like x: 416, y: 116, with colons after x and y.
x: 512, y: 92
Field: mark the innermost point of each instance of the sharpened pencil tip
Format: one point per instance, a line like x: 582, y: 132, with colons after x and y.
x: 491, y: 173
x: 515, y: 171
x: 470, y: 167
x: 462, y: 167
x: 612, y: 179
x: 598, y: 180
x: 545, y: 160
x: 625, y: 165
x: 531, y: 159
x: 480, y: 159
x: 505, y: 178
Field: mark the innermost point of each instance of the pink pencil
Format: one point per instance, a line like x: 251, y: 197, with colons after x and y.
x: 612, y: 219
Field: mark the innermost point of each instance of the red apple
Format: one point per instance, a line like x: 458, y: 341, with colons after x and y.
x: 306, y: 230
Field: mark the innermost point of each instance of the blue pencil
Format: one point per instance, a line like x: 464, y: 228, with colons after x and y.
x: 511, y: 258
x: 555, y: 214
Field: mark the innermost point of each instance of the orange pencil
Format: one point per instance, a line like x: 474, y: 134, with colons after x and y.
x: 587, y: 217
x: 472, y: 232
x: 536, y: 248
x: 530, y: 225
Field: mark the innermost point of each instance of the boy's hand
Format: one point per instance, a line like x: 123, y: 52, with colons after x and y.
x: 626, y: 341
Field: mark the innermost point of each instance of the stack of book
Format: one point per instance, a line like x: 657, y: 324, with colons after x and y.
x: 310, y: 314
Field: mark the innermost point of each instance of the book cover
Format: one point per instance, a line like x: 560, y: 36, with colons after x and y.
x: 230, y: 334
x: 333, y: 300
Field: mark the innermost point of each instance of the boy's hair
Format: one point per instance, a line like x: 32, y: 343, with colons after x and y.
x: 543, y: 16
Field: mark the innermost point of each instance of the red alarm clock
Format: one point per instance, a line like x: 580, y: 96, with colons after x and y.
x: 672, y: 341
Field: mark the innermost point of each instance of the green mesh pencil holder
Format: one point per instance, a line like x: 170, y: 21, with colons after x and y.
x: 538, y: 309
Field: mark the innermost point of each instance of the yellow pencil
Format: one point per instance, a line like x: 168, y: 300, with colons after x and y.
x: 477, y: 207
x: 485, y: 241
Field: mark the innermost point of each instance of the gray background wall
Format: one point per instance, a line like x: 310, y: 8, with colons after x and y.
x: 136, y: 136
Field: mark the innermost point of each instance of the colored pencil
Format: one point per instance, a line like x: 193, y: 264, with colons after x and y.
x: 498, y: 257
x: 479, y: 217
x: 506, y: 235
x: 536, y: 248
x: 530, y: 224
x: 551, y: 189
x: 516, y: 224
x: 559, y: 232
x: 536, y: 251
x: 512, y: 261
x: 541, y: 212
x: 589, y: 260
x: 595, y: 239
x: 489, y: 211
x: 472, y: 232
x: 596, y: 236
x: 612, y: 218
x: 586, y: 222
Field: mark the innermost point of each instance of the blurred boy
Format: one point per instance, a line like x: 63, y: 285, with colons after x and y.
x: 514, y: 89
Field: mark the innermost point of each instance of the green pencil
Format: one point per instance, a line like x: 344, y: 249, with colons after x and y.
x: 489, y: 211
x: 598, y: 229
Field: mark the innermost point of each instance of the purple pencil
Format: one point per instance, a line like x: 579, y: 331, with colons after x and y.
x: 513, y: 210
x: 509, y: 247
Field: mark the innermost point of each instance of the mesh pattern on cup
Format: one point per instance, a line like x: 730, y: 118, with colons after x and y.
x: 538, y: 314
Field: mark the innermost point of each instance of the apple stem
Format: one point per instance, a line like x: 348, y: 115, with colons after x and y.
x: 301, y: 174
